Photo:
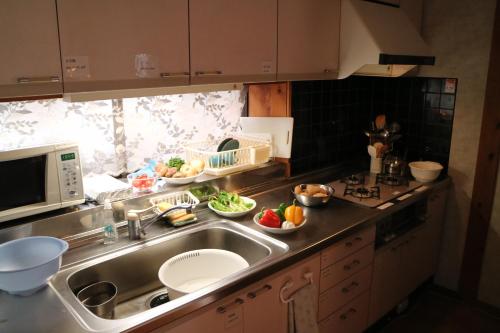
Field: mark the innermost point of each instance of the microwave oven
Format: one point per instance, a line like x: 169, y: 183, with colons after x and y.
x: 39, y: 179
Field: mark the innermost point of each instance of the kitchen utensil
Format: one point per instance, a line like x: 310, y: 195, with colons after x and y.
x: 190, y: 271
x: 234, y: 214
x: 380, y: 121
x: 425, y: 171
x: 182, y: 180
x: 277, y: 231
x: 26, y: 264
x: 393, y: 166
x: 394, y: 127
x: 372, y: 151
x: 99, y: 298
x: 310, y: 200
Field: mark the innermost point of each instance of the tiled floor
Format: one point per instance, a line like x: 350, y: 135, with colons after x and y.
x: 435, y: 312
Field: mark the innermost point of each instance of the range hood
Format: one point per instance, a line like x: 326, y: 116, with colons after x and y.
x: 379, y: 40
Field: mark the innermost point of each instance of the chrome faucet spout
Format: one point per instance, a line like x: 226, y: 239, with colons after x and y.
x: 135, y: 226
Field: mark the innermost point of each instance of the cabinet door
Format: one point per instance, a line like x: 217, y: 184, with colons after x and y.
x: 414, y: 10
x: 233, y: 40
x: 119, y: 44
x: 308, y: 39
x: 263, y: 310
x: 29, y: 54
x: 436, y: 206
x: 385, y: 289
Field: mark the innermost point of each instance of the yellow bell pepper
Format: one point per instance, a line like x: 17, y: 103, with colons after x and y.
x: 294, y: 214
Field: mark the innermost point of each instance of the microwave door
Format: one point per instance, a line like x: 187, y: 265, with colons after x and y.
x: 26, y: 186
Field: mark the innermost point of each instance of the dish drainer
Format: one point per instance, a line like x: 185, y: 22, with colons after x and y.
x: 253, y: 151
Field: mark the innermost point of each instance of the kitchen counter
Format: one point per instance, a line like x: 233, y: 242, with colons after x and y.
x: 326, y: 225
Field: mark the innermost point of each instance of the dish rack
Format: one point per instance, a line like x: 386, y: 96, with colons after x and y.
x: 253, y: 151
x: 175, y: 199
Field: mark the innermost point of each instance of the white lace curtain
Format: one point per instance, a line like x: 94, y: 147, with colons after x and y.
x: 116, y: 136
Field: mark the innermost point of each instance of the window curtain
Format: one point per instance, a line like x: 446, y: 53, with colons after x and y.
x: 117, y: 136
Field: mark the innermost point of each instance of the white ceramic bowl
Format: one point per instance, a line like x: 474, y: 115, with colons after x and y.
x: 425, y: 171
x: 26, y: 264
x: 277, y: 231
x: 190, y: 271
x: 234, y: 214
x: 182, y: 181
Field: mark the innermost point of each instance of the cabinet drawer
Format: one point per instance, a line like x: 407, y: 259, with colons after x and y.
x: 351, y: 318
x: 341, y: 270
x: 347, y: 246
x: 333, y: 298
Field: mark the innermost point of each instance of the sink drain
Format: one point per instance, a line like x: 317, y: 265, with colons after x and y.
x: 158, y: 299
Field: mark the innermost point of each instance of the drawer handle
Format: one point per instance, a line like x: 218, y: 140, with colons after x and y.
x: 352, y: 265
x: 43, y: 79
x: 261, y: 290
x: 345, y: 315
x: 167, y: 75
x: 350, y: 287
x: 357, y: 239
x: 225, y: 308
x: 206, y: 73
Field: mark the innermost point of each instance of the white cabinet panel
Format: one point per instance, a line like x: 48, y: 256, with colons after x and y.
x: 120, y: 44
x: 233, y: 40
x: 29, y: 54
x: 308, y: 39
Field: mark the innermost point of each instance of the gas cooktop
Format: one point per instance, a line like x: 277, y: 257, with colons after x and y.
x: 372, y: 190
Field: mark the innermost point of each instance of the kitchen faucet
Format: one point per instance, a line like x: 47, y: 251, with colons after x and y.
x: 136, y: 228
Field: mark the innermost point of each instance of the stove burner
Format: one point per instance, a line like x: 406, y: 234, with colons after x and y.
x: 362, y: 192
x: 391, y: 180
x: 353, y: 180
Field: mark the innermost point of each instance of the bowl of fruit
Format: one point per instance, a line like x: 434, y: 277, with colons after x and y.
x: 283, y: 220
x: 141, y: 182
x: 179, y: 172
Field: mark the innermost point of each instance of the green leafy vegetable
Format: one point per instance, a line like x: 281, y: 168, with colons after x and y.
x: 176, y: 162
x: 203, y: 192
x: 229, y: 202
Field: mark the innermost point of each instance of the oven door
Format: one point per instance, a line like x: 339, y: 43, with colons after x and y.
x: 28, y: 182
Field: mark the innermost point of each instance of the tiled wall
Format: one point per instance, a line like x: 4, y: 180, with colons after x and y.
x: 331, y: 116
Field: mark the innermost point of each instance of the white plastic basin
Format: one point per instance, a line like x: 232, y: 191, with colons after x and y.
x: 26, y: 264
x: 425, y: 171
x: 193, y: 270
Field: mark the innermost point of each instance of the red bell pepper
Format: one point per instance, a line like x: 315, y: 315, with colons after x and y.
x: 270, y: 219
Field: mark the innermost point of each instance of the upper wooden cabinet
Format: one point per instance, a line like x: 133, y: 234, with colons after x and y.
x: 29, y: 53
x: 308, y: 39
x: 121, y: 44
x: 233, y: 40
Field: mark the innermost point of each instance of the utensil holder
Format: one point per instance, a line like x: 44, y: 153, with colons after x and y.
x: 376, y: 165
x: 99, y: 298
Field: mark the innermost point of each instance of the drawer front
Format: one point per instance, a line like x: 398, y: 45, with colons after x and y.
x: 334, y: 298
x: 351, y: 318
x: 345, y: 268
x: 347, y: 246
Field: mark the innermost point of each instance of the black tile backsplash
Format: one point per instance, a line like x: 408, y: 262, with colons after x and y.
x: 331, y: 116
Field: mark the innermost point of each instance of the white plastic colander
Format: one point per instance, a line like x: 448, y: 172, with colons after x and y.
x: 193, y: 270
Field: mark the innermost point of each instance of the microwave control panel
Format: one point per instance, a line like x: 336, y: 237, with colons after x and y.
x: 70, y: 175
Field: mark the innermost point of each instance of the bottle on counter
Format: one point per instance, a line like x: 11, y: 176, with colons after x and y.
x: 110, y: 232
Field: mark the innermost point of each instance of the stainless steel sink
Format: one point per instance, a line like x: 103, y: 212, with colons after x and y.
x: 134, y: 271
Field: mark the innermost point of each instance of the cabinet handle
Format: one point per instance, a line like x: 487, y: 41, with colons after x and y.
x: 351, y: 243
x: 167, y: 75
x: 41, y: 79
x: 346, y: 314
x: 261, y: 290
x: 224, y: 308
x: 350, y: 287
x: 327, y: 70
x: 355, y: 263
x: 206, y: 73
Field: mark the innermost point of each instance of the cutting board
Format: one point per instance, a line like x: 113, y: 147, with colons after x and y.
x: 279, y: 128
